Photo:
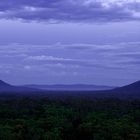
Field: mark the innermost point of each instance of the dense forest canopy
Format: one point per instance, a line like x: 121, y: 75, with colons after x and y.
x: 69, y: 119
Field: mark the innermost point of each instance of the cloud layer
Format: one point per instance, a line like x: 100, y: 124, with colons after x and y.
x: 71, y: 62
x: 71, y: 10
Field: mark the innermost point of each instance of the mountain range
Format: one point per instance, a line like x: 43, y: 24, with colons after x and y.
x: 73, y: 87
x: 90, y: 91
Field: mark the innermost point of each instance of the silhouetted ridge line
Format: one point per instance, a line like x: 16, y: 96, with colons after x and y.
x: 5, y: 87
x: 135, y: 87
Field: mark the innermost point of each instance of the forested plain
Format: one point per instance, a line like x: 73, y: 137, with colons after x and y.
x: 69, y: 119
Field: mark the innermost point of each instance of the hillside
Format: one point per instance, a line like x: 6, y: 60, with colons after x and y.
x: 5, y: 87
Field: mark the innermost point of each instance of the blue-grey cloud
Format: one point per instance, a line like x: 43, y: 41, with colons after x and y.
x: 64, y: 61
x: 70, y: 10
x: 107, y: 56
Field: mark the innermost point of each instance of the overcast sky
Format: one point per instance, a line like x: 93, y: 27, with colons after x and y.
x: 70, y: 41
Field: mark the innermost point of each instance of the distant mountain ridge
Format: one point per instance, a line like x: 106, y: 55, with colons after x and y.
x: 72, y: 87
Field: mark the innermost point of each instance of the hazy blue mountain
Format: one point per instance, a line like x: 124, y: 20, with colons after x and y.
x: 74, y: 87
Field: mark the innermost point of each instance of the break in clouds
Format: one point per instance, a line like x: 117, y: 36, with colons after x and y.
x: 70, y: 10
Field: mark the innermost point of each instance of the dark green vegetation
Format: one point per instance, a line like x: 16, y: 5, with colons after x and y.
x: 69, y: 119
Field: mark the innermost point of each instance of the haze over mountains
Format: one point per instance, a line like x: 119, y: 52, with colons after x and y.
x: 73, y: 87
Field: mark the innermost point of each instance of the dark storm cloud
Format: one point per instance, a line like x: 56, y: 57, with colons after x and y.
x: 70, y: 10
